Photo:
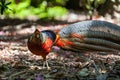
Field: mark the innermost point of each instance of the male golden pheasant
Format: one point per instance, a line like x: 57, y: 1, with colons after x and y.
x: 40, y: 43
x: 90, y: 35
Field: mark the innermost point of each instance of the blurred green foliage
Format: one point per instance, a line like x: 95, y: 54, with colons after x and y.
x: 48, y: 9
x: 54, y: 9
x: 92, y: 5
x: 103, y: 7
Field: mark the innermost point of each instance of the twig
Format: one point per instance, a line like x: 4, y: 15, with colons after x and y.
x: 18, y: 73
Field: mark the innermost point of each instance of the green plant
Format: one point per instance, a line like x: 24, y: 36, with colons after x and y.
x: 56, y: 11
x: 20, y: 9
x: 45, y: 9
x: 4, y: 5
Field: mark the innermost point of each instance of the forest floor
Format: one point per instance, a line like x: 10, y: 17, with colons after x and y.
x: 18, y: 63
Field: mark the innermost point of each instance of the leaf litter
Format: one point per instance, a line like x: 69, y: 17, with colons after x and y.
x: 18, y: 63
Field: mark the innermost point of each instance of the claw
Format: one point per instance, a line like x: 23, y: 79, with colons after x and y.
x: 46, y: 63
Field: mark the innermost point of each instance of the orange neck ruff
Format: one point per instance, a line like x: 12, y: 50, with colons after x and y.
x: 62, y: 42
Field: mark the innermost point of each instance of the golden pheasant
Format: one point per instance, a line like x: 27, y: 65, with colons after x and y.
x: 40, y: 43
x: 82, y: 36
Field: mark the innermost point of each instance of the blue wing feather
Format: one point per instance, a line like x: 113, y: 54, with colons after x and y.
x: 50, y: 34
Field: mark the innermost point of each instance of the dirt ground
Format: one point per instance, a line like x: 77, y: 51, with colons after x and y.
x: 18, y: 63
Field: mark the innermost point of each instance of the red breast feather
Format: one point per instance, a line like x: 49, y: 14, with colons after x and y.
x: 39, y: 45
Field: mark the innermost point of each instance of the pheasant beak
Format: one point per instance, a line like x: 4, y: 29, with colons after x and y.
x: 38, y: 35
